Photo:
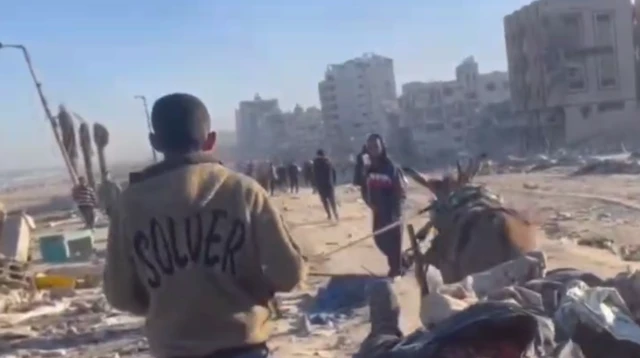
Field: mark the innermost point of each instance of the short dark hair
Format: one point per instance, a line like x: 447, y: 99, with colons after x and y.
x: 180, y: 123
x: 320, y: 153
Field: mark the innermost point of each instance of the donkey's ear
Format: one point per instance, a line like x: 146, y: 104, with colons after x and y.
x: 462, y: 174
x: 474, y: 168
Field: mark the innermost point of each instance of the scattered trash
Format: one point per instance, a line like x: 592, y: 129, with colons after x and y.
x: 339, y: 298
x: 46, y: 282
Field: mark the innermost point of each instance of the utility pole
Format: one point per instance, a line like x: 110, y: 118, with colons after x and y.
x: 146, y: 112
x: 52, y: 120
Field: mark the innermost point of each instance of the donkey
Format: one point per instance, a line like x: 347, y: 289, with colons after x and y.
x: 475, y: 231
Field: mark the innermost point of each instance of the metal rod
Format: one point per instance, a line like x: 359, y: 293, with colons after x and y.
x: 146, y: 112
x: 54, y: 125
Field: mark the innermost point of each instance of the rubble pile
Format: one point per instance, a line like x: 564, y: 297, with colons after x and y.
x: 520, y: 308
x: 609, y: 166
x: 513, y: 164
x: 50, y: 312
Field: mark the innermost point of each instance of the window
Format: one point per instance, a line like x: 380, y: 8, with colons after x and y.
x: 586, y: 111
x: 606, y: 60
x: 490, y: 86
x: 434, y: 127
x: 572, y: 27
x: 456, y: 125
x: 471, y: 95
x: 611, y: 106
x: 447, y: 91
x: 575, y: 78
x: 458, y: 139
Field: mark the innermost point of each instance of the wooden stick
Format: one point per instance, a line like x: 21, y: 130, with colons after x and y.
x: 420, y: 270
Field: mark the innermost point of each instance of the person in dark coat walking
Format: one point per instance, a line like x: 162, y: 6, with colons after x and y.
x: 325, y: 180
x: 294, y: 174
x: 385, y: 194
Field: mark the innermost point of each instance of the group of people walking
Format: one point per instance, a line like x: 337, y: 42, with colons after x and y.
x: 381, y: 185
x: 192, y: 226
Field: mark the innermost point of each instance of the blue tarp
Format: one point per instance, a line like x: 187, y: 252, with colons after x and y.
x: 339, y: 298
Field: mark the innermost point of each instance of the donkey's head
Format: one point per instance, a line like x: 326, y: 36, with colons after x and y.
x: 443, y: 187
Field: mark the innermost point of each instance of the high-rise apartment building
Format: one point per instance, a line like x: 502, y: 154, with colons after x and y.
x: 250, y: 126
x: 294, y: 135
x: 440, y: 113
x: 353, y: 97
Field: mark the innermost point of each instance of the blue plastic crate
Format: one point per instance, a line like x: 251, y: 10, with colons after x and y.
x: 53, y: 248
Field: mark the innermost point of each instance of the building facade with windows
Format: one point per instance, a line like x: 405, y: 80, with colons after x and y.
x: 573, y: 61
x: 440, y: 114
x: 353, y: 97
x: 294, y: 135
x: 251, y: 124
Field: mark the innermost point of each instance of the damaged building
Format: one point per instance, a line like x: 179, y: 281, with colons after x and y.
x: 572, y: 68
x: 436, y: 121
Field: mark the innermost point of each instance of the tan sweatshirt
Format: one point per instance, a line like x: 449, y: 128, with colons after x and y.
x: 199, y: 250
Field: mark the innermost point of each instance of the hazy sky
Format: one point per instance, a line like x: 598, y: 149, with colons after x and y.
x: 94, y: 56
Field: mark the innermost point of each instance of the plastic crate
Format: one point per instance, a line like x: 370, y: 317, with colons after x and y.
x: 53, y: 248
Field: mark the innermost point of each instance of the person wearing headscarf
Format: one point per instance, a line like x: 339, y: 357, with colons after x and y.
x: 385, y: 194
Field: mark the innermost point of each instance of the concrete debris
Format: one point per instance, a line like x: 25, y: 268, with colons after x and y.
x: 609, y: 166
x: 618, y: 164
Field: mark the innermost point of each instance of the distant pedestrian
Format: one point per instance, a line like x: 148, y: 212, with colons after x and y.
x: 85, y: 199
x: 294, y: 175
x: 325, y: 181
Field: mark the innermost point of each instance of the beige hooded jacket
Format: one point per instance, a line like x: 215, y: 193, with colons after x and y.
x: 199, y: 250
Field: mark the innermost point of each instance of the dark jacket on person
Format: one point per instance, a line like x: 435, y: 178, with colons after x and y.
x: 293, y: 170
x: 384, y: 188
x: 324, y: 174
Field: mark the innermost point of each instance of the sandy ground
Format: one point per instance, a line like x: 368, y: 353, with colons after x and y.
x: 568, y: 208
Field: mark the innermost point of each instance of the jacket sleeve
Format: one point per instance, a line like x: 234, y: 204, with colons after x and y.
x: 357, y: 172
x: 399, y: 186
x: 282, y: 261
x: 122, y: 286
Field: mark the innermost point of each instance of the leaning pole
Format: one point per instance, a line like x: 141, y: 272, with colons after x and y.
x: 54, y: 126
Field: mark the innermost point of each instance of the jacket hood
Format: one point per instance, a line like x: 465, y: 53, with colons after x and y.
x: 178, y: 183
